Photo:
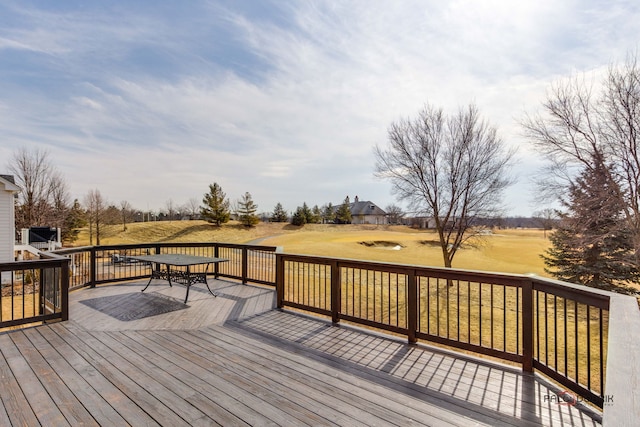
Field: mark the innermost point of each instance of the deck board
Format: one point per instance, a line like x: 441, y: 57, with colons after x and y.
x: 43, y: 407
x: 73, y: 412
x: 15, y: 404
x: 233, y: 360
x: 101, y: 411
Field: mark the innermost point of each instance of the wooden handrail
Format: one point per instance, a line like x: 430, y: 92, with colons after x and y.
x: 527, y: 287
x: 623, y: 353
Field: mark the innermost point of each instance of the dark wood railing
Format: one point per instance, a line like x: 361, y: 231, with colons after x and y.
x: 561, y: 330
x: 554, y: 327
x: 93, y: 265
x: 34, y: 291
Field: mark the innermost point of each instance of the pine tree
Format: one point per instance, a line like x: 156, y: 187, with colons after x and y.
x: 75, y: 220
x: 316, y: 215
x: 279, y: 214
x: 328, y: 214
x: 216, y: 205
x: 343, y: 214
x: 247, y: 211
x: 298, y: 217
x: 592, y: 245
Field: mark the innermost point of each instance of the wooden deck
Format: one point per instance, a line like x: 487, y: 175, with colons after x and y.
x: 128, y: 358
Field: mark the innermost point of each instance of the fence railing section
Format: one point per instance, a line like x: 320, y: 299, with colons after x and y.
x: 556, y: 328
x: 104, y: 264
x: 34, y: 291
x: 571, y: 327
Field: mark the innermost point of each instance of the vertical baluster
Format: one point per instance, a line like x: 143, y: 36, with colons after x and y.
x: 566, y: 347
x: 589, y: 373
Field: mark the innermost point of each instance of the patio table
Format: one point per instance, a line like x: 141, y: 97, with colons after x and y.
x: 186, y: 276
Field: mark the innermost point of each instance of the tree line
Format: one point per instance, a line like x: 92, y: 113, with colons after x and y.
x: 44, y: 200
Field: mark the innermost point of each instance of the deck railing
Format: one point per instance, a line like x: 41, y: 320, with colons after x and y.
x: 34, y: 291
x: 559, y: 329
x: 554, y: 327
x: 93, y: 265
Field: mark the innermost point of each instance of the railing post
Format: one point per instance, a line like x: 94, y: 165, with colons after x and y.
x: 245, y: 263
x: 279, y: 280
x: 216, y: 265
x: 336, y: 292
x: 94, y: 267
x: 527, y: 325
x: 42, y: 284
x: 64, y: 289
x: 412, y: 306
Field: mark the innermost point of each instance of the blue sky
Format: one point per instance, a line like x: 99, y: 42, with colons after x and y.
x: 150, y: 101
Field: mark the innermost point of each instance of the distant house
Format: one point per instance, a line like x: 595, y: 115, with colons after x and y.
x: 366, y: 213
x: 8, y: 190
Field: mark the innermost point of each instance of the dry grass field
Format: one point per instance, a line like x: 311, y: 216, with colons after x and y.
x: 511, y: 251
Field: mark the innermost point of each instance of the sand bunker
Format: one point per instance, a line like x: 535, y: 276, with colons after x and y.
x: 383, y: 244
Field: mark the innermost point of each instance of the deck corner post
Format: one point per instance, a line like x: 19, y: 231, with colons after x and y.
x: 245, y: 264
x: 94, y: 266
x: 216, y: 254
x: 527, y: 325
x: 64, y: 289
x: 412, y: 306
x: 336, y: 292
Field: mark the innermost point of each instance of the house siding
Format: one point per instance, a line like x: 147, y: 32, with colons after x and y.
x: 7, y: 226
x: 367, y: 212
x: 7, y: 221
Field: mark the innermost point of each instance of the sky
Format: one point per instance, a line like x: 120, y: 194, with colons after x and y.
x: 151, y: 101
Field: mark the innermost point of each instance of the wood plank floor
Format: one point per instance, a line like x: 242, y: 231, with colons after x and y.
x: 128, y: 358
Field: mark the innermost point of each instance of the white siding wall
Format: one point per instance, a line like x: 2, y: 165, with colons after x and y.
x: 7, y: 225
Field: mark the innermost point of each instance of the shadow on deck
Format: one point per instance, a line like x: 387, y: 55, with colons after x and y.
x: 131, y: 358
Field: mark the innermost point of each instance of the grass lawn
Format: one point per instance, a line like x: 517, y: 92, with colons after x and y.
x: 509, y: 251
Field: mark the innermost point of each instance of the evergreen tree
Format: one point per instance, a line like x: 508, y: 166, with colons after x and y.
x: 316, y: 215
x: 216, y: 205
x: 328, y: 213
x: 75, y: 219
x: 298, y: 217
x: 247, y: 211
x: 343, y: 214
x: 592, y: 245
x: 308, y: 215
x: 279, y: 214
x: 302, y: 215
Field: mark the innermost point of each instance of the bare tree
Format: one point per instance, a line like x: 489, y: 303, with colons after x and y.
x: 170, y: 209
x: 547, y: 218
x: 568, y: 134
x: 394, y: 214
x: 577, y: 125
x: 192, y: 207
x: 43, y: 199
x: 59, y: 200
x: 96, y: 206
x: 453, y: 168
x: 127, y: 213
